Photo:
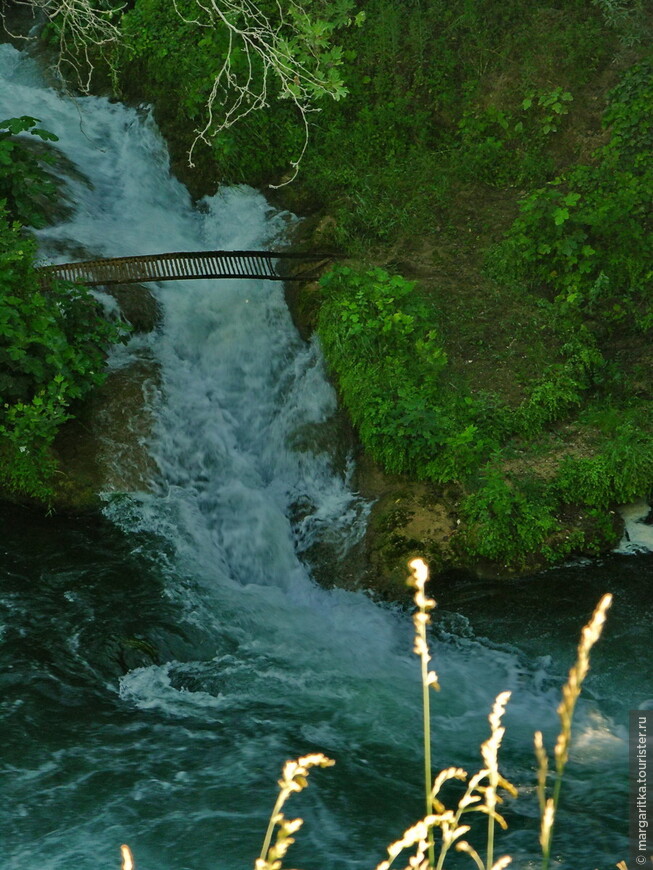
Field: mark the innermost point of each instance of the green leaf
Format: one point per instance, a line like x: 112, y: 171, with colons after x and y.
x: 571, y: 198
x: 560, y: 215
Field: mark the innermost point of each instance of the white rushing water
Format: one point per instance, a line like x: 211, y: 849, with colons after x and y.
x: 267, y: 664
x: 638, y: 532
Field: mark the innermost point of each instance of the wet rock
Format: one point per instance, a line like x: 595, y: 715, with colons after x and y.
x: 408, y: 519
x: 104, y: 449
x: 125, y: 654
x: 137, y: 305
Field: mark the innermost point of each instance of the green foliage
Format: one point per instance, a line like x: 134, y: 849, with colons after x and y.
x: 174, y: 52
x: 628, y: 117
x: 380, y: 341
x: 22, y: 179
x: 563, y: 385
x: 626, y: 18
x: 175, y: 64
x: 387, y: 364
x: 52, y: 346
x: 504, y: 147
x: 586, y: 239
x: 581, y: 245
x: 422, y: 111
x: 241, y: 78
x: 507, y: 520
x: 620, y: 473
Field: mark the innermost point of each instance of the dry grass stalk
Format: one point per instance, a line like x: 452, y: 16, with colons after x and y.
x: 293, y: 779
x: 474, y: 799
x: 127, y: 858
x: 570, y: 692
x: 542, y: 770
x: 421, y: 618
x: 490, y: 754
x: 501, y: 864
x: 477, y: 797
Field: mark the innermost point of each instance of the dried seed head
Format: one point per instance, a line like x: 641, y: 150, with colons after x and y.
x: 421, y: 618
x: 571, y: 690
x: 444, y: 775
x: 127, y: 858
x: 542, y: 769
x: 420, y: 573
x: 294, y: 774
x: 490, y: 749
x: 547, y: 825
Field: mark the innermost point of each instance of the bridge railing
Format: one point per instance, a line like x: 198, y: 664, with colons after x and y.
x: 188, y: 265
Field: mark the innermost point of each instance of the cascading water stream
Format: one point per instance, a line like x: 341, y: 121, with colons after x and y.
x: 255, y: 662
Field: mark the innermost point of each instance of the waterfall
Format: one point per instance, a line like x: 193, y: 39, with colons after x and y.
x: 254, y: 661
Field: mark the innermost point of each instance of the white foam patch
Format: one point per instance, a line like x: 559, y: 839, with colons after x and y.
x: 638, y: 534
x: 151, y: 688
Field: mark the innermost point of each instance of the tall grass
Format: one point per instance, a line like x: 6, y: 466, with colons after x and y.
x: 481, y: 794
x: 570, y: 692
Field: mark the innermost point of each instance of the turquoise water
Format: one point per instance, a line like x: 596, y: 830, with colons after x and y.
x: 160, y: 664
x: 182, y: 765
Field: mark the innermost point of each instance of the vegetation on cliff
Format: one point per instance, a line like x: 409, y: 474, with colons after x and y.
x: 52, y: 341
x: 489, y: 176
x: 500, y: 157
x: 575, y: 428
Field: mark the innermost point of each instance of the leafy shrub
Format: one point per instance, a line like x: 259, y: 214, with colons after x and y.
x: 507, y: 520
x: 586, y: 239
x: 52, y: 345
x: 621, y: 472
x: 563, y: 385
x: 387, y: 364
x: 380, y: 341
x: 22, y: 179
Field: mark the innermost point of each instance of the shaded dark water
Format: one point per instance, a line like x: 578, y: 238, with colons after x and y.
x: 82, y: 603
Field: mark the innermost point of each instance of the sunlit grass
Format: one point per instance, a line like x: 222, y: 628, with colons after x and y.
x: 481, y: 793
x: 570, y: 692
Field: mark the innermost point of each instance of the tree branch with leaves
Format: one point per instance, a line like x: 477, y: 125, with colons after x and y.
x: 264, y: 51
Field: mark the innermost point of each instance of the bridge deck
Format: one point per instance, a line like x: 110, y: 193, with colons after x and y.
x: 185, y: 265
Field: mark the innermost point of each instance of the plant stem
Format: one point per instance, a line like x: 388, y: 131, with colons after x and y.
x: 268, y: 834
x: 546, y: 849
x: 490, y: 842
x: 428, y: 774
x: 429, y: 678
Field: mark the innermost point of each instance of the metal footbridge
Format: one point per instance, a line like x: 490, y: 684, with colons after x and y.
x: 189, y: 265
